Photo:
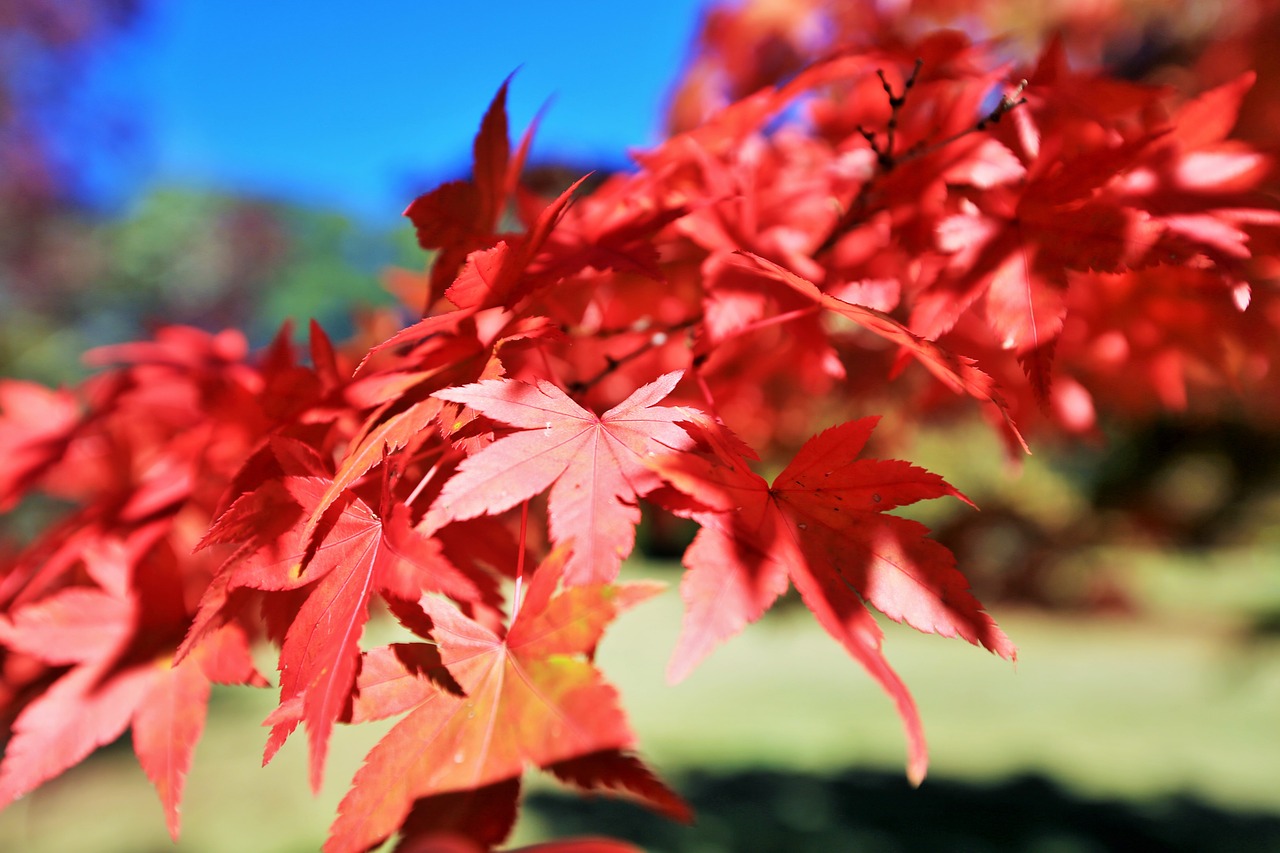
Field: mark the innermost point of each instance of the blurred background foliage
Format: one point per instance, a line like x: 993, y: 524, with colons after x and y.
x: 1140, y: 576
x: 193, y: 257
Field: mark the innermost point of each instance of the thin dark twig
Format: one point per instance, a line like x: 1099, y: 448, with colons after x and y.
x: 885, y: 156
x: 887, y: 160
x: 657, y: 338
x: 1007, y: 104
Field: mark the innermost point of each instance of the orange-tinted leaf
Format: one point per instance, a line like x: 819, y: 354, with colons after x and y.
x: 532, y: 697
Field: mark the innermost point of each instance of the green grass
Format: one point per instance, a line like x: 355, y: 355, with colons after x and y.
x: 1110, y: 706
x: 1173, y: 702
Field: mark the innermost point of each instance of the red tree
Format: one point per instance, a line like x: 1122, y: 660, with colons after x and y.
x: 906, y: 223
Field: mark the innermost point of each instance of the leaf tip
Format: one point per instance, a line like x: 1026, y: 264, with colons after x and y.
x: 916, y: 774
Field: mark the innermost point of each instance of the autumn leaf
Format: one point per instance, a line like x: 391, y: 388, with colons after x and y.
x: 118, y: 679
x: 360, y: 555
x: 1011, y: 252
x: 532, y: 696
x: 36, y: 425
x: 167, y: 726
x: 498, y: 276
x: 354, y: 554
x: 593, y: 464
x: 462, y: 216
x: 822, y: 527
x: 87, y: 708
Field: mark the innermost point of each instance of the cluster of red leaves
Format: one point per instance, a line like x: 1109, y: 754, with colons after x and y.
x: 1103, y: 226
x: 766, y: 271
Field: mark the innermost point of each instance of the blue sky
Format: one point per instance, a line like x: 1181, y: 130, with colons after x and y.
x: 323, y: 104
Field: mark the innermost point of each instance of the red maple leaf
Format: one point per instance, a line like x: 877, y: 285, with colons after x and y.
x: 460, y: 217
x: 36, y: 425
x: 593, y: 464
x: 117, y: 641
x: 361, y: 555
x: 821, y: 526
x: 499, y: 276
x: 1012, y: 246
x: 353, y: 555
x: 532, y: 696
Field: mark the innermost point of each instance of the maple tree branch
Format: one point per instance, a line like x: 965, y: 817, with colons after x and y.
x: 887, y: 160
x: 884, y: 156
x: 1007, y: 104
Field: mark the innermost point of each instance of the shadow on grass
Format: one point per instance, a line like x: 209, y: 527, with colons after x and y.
x: 762, y: 811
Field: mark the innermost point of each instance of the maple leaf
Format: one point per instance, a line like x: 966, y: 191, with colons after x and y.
x: 532, y: 696
x: 168, y: 723
x: 594, y: 464
x: 820, y: 526
x: 119, y: 678
x: 86, y: 708
x: 1012, y: 247
x: 497, y: 276
x: 36, y: 424
x: 460, y: 217
x: 356, y: 554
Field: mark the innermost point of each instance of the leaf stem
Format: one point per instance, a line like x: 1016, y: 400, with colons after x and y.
x: 524, y: 529
x: 778, y: 319
x: 422, y: 484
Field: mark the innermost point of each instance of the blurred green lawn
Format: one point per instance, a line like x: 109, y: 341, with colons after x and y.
x: 1175, y: 701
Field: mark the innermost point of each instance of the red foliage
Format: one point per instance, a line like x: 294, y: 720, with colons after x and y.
x: 778, y: 265
x: 820, y: 526
x: 595, y: 465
